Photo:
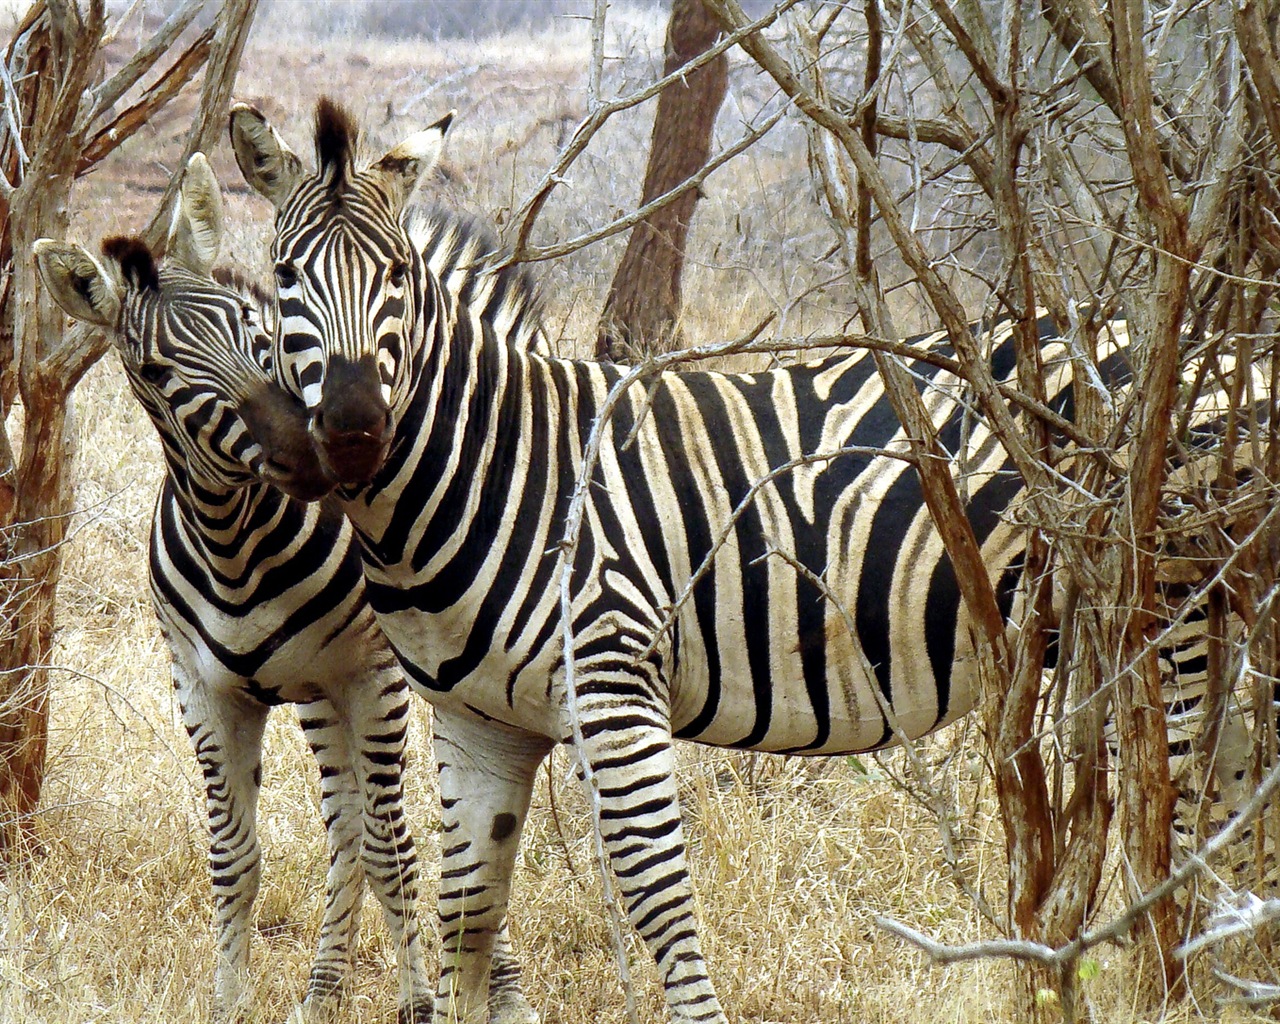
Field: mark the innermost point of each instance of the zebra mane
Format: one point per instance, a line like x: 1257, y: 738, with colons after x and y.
x: 466, y: 256
x: 136, y: 261
x: 236, y: 280
x: 336, y: 138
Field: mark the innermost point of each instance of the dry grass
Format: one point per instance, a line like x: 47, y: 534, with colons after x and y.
x: 791, y: 859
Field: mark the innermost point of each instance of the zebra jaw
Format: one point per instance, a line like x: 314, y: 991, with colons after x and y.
x: 280, y: 425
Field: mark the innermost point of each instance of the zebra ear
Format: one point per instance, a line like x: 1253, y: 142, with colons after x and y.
x: 196, y: 233
x: 405, y: 166
x: 268, y: 165
x: 77, y: 282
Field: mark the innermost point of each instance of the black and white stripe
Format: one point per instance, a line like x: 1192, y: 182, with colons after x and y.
x: 458, y: 454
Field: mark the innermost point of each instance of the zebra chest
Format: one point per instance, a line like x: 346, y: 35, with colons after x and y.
x: 276, y: 651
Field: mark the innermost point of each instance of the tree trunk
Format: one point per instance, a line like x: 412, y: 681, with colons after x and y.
x: 642, y: 312
x: 56, y: 55
x: 31, y: 537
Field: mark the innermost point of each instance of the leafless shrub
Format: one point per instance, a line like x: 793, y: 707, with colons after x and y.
x: 992, y: 160
x: 424, y: 19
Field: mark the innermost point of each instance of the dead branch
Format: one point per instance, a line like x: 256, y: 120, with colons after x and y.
x: 1119, y: 927
x: 234, y: 22
x: 123, y: 127
x: 946, y: 814
x: 161, y: 42
x: 521, y: 227
x: 598, y: 11
x: 671, y: 613
x: 535, y: 254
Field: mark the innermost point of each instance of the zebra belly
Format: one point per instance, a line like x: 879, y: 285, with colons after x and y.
x: 521, y: 687
x: 844, y: 711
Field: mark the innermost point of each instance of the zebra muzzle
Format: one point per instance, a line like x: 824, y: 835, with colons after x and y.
x: 352, y: 426
x: 352, y: 457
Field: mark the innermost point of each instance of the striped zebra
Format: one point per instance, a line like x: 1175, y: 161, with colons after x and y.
x: 260, y: 596
x: 456, y: 456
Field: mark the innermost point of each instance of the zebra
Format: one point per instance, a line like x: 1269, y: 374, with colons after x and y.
x: 455, y: 456
x: 260, y: 595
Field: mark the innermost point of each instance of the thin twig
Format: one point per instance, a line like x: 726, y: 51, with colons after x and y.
x: 748, y: 499
x: 568, y: 551
x: 105, y: 96
x: 937, y: 804
x: 599, y: 9
x: 1113, y: 930
x: 13, y: 115
x: 525, y: 218
x: 534, y: 254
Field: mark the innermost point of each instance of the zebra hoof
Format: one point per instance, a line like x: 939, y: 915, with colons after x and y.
x: 512, y: 1008
x: 323, y: 1003
x: 231, y: 1011
x: 317, y: 1010
x: 417, y: 1012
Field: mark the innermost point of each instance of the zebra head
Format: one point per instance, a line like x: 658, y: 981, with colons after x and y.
x: 350, y: 283
x: 195, y: 350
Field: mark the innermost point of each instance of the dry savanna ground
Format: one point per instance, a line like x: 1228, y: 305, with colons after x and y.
x: 791, y: 859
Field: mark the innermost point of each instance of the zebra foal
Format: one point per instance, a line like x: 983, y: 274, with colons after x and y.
x: 456, y: 455
x: 259, y: 595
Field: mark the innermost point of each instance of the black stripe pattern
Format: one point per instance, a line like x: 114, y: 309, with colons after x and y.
x: 261, y: 600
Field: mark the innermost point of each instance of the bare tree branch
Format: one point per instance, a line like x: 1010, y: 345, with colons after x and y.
x: 1117, y: 928
x: 105, y: 96
x: 521, y: 227
x: 535, y: 254
x: 174, y: 80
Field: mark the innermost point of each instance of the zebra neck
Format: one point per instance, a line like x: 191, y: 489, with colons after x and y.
x: 224, y: 524
x: 482, y: 417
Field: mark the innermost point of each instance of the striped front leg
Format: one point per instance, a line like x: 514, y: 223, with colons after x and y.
x: 486, y: 779
x: 378, y: 718
x: 627, y: 741
x: 226, y: 732
x: 340, y: 806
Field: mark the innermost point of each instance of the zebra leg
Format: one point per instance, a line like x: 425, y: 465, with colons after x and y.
x: 226, y: 733
x: 507, y: 1002
x: 378, y: 720
x: 340, y: 806
x: 486, y: 780
x: 630, y: 753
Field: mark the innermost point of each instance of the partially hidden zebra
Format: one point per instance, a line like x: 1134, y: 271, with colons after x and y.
x: 260, y: 596
x: 457, y: 456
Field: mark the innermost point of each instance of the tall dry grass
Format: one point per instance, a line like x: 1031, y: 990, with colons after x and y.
x: 791, y: 859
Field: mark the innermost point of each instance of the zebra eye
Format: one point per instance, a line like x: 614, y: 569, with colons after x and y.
x: 153, y: 373
x: 399, y: 270
x: 286, y: 276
